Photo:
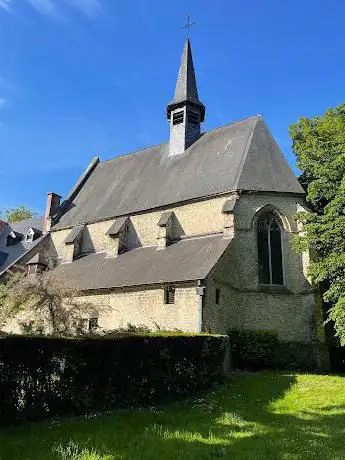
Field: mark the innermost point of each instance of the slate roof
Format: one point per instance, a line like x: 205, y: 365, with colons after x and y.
x: 240, y: 156
x: 186, y: 88
x: 3, y: 257
x: 18, y: 250
x: 186, y: 260
x: 24, y: 226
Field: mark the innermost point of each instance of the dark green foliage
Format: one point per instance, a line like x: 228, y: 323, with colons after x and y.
x: 252, y: 349
x: 260, y: 349
x: 42, y: 376
x: 296, y: 356
x: 337, y: 358
x: 319, y: 145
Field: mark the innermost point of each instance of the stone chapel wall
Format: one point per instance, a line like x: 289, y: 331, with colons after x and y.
x: 203, y: 217
x: 145, y: 306
x: 290, y: 309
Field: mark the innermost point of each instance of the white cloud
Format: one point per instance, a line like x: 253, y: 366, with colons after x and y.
x: 88, y: 7
x: 43, y: 6
x: 6, y: 4
x: 2, y: 101
x: 50, y: 7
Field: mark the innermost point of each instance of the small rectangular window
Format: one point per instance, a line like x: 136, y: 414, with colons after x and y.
x: 178, y: 117
x: 93, y: 324
x: 217, y: 296
x: 82, y: 325
x: 169, y: 295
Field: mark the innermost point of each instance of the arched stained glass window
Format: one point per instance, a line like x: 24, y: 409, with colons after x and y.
x: 269, y: 249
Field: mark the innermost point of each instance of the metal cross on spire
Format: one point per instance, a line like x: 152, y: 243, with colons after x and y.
x: 189, y: 25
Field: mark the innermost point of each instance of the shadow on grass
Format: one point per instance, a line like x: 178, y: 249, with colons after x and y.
x: 236, y: 421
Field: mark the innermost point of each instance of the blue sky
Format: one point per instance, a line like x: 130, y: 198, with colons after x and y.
x: 86, y: 77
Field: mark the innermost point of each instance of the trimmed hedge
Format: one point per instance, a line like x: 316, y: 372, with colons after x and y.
x: 337, y: 358
x: 42, y: 377
x: 261, y: 349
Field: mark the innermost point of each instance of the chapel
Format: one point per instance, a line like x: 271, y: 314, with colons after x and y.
x: 194, y: 234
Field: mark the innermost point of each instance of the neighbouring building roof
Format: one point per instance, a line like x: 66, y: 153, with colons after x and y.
x: 3, y: 257
x: 186, y: 260
x: 16, y: 250
x: 240, y: 156
x: 23, y: 226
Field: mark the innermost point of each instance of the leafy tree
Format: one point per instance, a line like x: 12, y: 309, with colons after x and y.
x: 319, y: 145
x: 17, y: 214
x: 43, y: 303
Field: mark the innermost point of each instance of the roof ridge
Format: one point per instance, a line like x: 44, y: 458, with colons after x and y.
x: 268, y: 156
x: 135, y: 152
x: 226, y: 125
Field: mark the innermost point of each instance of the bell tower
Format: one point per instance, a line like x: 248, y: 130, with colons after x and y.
x: 185, y: 113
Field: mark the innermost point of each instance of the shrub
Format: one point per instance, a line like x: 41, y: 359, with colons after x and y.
x: 252, y: 349
x: 337, y: 357
x: 261, y: 349
x: 42, y: 376
x: 297, y: 356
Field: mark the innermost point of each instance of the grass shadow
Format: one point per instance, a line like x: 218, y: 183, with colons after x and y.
x: 253, y: 416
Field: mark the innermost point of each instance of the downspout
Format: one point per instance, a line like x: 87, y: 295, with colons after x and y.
x: 200, y: 291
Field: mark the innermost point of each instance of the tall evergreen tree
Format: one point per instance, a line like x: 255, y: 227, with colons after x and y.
x: 319, y: 145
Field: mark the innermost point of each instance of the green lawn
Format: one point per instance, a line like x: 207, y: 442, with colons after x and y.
x: 253, y: 416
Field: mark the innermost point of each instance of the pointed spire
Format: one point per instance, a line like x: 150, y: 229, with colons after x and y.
x: 186, y: 89
x: 185, y: 113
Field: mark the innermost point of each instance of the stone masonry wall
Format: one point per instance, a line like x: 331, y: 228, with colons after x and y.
x: 135, y: 306
x: 290, y: 309
x: 193, y: 219
x: 145, y: 306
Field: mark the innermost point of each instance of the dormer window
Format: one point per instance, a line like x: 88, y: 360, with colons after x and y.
x: 32, y: 235
x: 73, y: 243
x: 36, y: 265
x: 13, y: 238
x: 118, y: 236
x: 29, y: 237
